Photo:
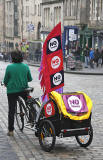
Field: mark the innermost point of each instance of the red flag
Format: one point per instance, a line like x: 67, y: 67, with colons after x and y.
x: 51, y: 70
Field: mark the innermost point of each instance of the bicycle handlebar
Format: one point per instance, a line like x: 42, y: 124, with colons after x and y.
x: 30, y: 89
x: 2, y: 84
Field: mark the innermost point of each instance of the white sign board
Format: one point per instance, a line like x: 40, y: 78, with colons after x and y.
x: 72, y: 36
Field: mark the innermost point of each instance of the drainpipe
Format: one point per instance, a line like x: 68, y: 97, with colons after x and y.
x: 4, y: 29
x: 22, y: 20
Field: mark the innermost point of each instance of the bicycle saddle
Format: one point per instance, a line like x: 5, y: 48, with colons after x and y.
x: 30, y: 89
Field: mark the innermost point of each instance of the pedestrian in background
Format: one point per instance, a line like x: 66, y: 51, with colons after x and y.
x: 86, y: 54
x: 16, y: 79
x: 91, y: 56
x: 101, y: 56
x: 96, y: 56
x: 5, y: 56
x: 77, y: 52
x: 100, y: 59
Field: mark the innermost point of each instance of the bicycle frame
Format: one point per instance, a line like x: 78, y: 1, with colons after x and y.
x: 28, y: 109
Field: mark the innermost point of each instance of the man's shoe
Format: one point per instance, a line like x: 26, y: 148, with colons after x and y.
x: 10, y: 133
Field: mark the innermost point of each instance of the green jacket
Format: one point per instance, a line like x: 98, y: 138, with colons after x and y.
x: 16, y: 77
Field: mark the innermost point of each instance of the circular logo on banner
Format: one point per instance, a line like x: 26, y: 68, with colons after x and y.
x: 57, y: 79
x: 53, y: 44
x: 55, y: 62
x: 75, y: 103
x: 49, y: 109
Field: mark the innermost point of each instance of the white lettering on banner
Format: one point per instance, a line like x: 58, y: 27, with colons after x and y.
x: 55, y: 62
x: 53, y: 44
x: 74, y: 103
x: 57, y: 79
x: 49, y: 109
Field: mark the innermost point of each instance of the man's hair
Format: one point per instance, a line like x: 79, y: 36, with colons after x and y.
x: 17, y: 56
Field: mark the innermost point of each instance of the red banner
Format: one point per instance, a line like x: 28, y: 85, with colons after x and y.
x: 51, y: 71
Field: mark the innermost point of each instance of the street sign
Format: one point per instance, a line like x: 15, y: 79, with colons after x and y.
x: 30, y: 27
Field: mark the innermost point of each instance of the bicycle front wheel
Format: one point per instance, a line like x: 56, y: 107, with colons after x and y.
x: 19, y: 114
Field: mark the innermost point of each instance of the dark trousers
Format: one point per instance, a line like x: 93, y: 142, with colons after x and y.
x: 12, y: 100
x: 91, y: 63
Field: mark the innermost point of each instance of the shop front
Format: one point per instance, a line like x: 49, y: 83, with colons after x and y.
x: 98, y: 39
x: 86, y: 37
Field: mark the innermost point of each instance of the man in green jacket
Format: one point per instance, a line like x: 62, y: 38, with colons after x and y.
x: 16, y: 79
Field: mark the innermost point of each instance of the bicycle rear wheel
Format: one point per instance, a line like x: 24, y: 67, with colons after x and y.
x: 85, y: 140
x: 20, y: 114
x: 46, y: 135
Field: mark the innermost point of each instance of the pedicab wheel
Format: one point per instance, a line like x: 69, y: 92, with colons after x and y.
x: 19, y: 116
x: 46, y: 135
x: 85, y: 140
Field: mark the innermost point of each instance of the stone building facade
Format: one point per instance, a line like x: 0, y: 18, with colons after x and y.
x: 28, y: 19
x: 43, y: 15
x: 37, y: 18
x: 22, y: 22
x: 12, y: 24
x: 75, y: 12
x: 2, y: 26
x: 31, y: 17
x: 96, y: 22
x: 52, y: 13
x: 69, y: 12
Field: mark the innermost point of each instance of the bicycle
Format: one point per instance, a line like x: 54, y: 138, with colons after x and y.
x: 51, y: 119
x: 26, y: 110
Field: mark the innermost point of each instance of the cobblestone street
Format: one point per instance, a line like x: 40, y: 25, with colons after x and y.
x: 25, y: 146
